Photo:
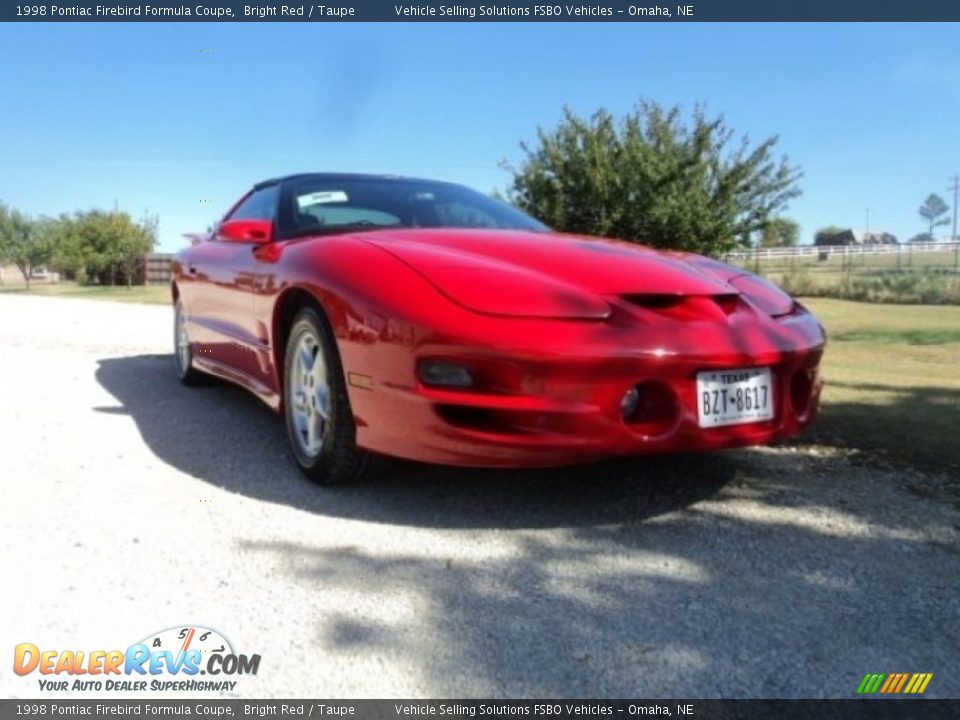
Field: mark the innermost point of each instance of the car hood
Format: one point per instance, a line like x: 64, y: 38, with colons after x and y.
x: 507, y: 272
x: 594, y: 264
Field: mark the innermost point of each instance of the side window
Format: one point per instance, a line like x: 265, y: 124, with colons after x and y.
x: 259, y: 205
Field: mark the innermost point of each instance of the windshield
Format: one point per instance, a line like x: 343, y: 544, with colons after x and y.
x: 316, y: 205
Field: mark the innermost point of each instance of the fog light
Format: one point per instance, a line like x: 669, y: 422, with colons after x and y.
x: 629, y: 403
x: 440, y: 373
x: 650, y: 408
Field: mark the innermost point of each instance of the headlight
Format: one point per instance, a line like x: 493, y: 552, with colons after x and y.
x: 764, y: 295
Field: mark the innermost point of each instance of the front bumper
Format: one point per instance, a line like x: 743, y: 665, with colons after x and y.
x: 557, y: 400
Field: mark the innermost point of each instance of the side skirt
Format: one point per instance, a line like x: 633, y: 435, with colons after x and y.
x: 231, y: 374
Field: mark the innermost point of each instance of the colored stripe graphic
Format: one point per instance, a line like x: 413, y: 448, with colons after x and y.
x: 918, y: 683
x: 870, y: 683
x: 894, y: 683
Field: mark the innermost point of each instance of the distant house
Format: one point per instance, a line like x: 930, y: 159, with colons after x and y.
x: 858, y: 237
x: 10, y: 273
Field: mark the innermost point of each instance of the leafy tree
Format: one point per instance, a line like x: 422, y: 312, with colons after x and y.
x: 97, y: 246
x: 65, y: 251
x: 826, y: 235
x: 84, y: 246
x: 932, y: 211
x: 4, y: 215
x: 921, y: 238
x: 653, y: 177
x: 23, y: 241
x: 136, y: 240
x: 780, y: 232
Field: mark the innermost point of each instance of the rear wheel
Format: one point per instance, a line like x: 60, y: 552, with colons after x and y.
x: 316, y: 407
x: 183, y: 350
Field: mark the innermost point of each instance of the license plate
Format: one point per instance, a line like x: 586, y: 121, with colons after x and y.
x: 732, y: 397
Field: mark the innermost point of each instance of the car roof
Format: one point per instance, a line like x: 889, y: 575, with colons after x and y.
x: 334, y: 176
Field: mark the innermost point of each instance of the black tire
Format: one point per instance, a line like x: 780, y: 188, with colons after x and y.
x: 183, y: 361
x: 336, y: 459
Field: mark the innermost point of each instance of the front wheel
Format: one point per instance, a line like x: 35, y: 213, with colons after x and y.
x: 316, y: 407
x: 183, y: 350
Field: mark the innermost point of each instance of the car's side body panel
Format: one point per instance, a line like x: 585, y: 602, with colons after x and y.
x: 216, y: 281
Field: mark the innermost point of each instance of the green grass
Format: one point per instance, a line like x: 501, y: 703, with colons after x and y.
x: 927, y: 286
x: 892, y: 337
x: 151, y: 294
x: 892, y: 381
x: 913, y: 277
x: 857, y: 264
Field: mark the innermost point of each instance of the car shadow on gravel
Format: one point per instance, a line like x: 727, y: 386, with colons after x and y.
x: 222, y: 435
x: 773, y: 586
x: 762, y: 573
x: 665, y: 609
x: 916, y: 428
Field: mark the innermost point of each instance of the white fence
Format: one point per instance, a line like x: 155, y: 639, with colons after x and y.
x: 825, y: 252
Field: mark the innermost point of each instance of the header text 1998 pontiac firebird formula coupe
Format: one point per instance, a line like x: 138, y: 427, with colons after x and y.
x: 426, y: 321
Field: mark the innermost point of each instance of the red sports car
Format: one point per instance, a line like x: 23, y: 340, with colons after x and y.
x: 426, y: 321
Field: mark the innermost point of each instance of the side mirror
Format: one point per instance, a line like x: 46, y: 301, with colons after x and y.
x: 246, y: 231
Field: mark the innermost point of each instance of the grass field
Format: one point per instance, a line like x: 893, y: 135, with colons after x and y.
x: 904, y: 276
x: 152, y: 294
x: 893, y: 381
x: 904, y: 259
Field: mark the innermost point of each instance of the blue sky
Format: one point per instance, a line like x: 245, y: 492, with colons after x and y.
x: 179, y: 119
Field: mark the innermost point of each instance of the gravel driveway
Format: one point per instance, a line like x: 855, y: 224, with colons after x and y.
x: 131, y: 504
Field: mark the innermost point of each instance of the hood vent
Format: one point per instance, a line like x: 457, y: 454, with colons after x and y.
x: 687, y: 307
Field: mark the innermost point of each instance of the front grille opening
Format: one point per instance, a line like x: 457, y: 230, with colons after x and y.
x: 801, y: 393
x: 487, y: 420
x: 470, y: 418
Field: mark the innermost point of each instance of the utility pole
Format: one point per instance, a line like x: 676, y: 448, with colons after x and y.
x: 866, y: 236
x: 955, y: 186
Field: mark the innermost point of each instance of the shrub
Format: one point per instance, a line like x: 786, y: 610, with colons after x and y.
x: 928, y: 286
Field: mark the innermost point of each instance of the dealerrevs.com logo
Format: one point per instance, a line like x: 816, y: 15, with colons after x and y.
x: 172, y: 659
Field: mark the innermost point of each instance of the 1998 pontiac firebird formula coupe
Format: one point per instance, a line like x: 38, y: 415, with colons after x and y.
x: 426, y: 321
